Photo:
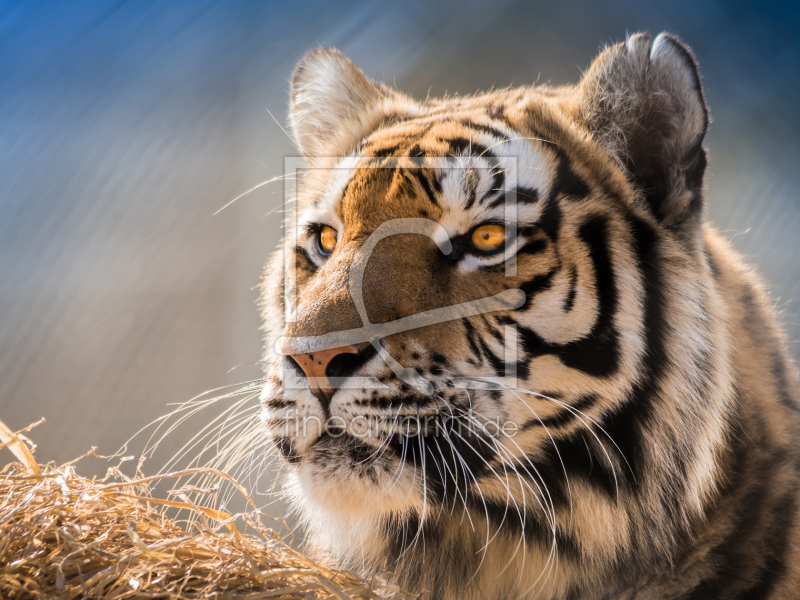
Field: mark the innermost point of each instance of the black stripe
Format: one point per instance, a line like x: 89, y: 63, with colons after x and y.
x: 603, y: 180
x: 550, y: 219
x: 597, y: 353
x: 471, y: 336
x: 567, y: 182
x: 534, y: 287
x: 581, y: 453
x: 569, y: 301
x: 585, y: 458
x: 385, y: 152
x: 530, y: 195
x: 625, y: 426
x: 567, y: 415
x: 456, y: 559
x: 304, y: 254
x: 400, y: 531
x: 498, y: 366
x: 471, y: 189
x: 280, y: 403
x: 523, y: 195
x: 535, y: 525
x: 498, y: 181
x: 461, y: 145
x: 453, y: 463
x: 417, y: 152
x: 425, y: 184
x: 439, y: 359
x: 287, y: 451
x: 497, y: 111
x: 492, y: 331
x: 453, y: 457
x: 496, y: 133
x: 600, y: 357
x: 534, y: 246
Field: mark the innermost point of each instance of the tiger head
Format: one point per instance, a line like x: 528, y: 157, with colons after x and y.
x: 489, y: 325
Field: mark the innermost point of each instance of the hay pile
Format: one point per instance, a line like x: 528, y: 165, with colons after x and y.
x: 64, y: 536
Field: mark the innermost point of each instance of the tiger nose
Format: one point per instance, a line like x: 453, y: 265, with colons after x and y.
x: 316, y: 366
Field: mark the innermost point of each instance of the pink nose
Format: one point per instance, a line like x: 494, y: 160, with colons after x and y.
x: 315, y: 366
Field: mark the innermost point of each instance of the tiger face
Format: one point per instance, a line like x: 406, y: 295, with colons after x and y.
x: 493, y: 341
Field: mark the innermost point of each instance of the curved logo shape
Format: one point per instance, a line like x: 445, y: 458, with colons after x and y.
x: 373, y: 332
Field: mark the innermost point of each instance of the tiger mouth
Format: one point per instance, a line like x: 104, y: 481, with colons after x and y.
x: 360, y: 452
x: 340, y: 437
x: 437, y: 430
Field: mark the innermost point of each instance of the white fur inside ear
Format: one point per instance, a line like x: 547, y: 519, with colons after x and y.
x: 661, y: 46
x: 636, y: 46
x: 643, y: 101
x: 332, y: 103
x: 631, y: 83
x: 675, y: 66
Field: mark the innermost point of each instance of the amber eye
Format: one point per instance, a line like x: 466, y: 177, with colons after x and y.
x: 327, y: 240
x: 488, y: 238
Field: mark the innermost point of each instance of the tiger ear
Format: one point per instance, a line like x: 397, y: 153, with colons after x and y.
x: 642, y: 100
x: 333, y: 105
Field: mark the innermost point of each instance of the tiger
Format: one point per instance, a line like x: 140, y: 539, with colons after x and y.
x: 533, y: 367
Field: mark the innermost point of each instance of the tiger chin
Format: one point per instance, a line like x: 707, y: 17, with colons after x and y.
x: 506, y: 356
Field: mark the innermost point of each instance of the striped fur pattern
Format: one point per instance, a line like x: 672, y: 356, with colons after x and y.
x: 651, y: 440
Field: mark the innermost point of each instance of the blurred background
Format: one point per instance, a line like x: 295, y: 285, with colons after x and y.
x: 124, y: 126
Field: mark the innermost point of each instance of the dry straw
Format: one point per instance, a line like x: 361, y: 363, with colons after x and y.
x: 64, y: 536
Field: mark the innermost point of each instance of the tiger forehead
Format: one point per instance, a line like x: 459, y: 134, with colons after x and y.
x: 436, y: 136
x: 432, y: 168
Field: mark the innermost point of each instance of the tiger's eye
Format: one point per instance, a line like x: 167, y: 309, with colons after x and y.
x: 488, y: 238
x: 327, y: 240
